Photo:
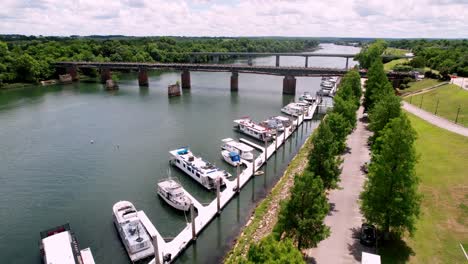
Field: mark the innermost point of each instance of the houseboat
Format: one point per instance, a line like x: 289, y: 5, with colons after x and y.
x: 245, y: 151
x: 172, y: 192
x: 200, y: 170
x: 59, y: 246
x: 253, y: 129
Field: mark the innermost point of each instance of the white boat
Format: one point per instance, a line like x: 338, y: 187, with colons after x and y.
x: 132, y: 232
x: 273, y: 124
x: 284, y: 120
x: 59, y: 246
x: 245, y: 151
x: 202, y: 171
x: 253, y: 129
x: 172, y: 192
x: 232, y: 158
x: 293, y: 109
x: 327, y: 84
x: 306, y: 96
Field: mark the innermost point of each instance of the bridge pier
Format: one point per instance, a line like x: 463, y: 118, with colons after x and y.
x: 277, y: 60
x: 289, y: 84
x: 347, y: 63
x: 105, y: 75
x: 73, y: 71
x: 215, y: 59
x: 249, y: 61
x: 234, y: 82
x: 143, y: 77
x: 185, y: 77
x: 306, y: 61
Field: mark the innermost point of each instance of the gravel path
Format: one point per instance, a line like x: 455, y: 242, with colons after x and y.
x: 436, y: 120
x: 345, y: 217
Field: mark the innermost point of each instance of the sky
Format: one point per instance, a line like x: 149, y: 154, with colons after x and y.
x: 306, y: 18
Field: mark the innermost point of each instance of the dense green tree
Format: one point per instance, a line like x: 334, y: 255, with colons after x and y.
x: 340, y: 128
x: 347, y: 108
x: 354, y: 80
x: 377, y: 85
x: 270, y: 250
x: 390, y: 199
x: 27, y: 68
x: 386, y: 109
x: 370, y: 53
x: 301, y: 216
x: 322, y: 160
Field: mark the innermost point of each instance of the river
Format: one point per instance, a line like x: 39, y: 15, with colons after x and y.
x: 51, y: 174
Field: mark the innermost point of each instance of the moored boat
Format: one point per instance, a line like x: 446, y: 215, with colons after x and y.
x: 172, y: 192
x: 231, y: 157
x: 132, y: 232
x: 59, y: 246
x: 253, y: 129
x: 293, y: 109
x: 306, y: 96
x: 245, y: 151
x: 273, y: 124
x: 198, y: 169
x: 284, y: 120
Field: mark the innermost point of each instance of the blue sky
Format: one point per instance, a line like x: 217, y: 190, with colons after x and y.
x: 341, y: 18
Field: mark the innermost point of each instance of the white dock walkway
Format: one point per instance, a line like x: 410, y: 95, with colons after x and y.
x: 208, y: 213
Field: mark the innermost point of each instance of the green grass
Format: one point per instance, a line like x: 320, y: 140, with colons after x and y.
x: 391, y: 64
x: 242, y: 245
x: 419, y: 85
x: 450, y: 97
x: 395, y: 52
x: 444, y: 184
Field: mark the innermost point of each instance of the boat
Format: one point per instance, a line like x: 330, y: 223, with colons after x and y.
x: 327, y: 84
x: 248, y: 127
x: 244, y: 150
x: 293, y: 109
x: 231, y: 157
x: 273, y: 124
x: 284, y: 120
x: 306, y: 96
x: 59, y: 245
x: 132, y: 232
x: 172, y: 192
x: 202, y: 171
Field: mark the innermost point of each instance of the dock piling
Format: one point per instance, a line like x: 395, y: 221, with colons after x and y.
x: 238, y: 178
x: 154, y: 240
x: 266, y: 151
x: 218, y: 195
x: 192, y: 217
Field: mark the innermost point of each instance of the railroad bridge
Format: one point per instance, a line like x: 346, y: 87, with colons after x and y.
x: 289, y: 73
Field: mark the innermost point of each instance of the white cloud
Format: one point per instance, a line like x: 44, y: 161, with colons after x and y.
x: 345, y: 18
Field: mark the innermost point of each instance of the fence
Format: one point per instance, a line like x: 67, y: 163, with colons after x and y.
x: 440, y: 107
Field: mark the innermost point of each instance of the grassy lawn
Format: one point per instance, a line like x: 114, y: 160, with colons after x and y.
x: 450, y: 97
x: 419, y: 85
x: 395, y: 52
x: 443, y: 222
x: 391, y: 64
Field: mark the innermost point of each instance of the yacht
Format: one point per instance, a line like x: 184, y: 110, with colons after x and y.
x: 306, y: 96
x: 327, y: 84
x: 245, y: 151
x: 253, y: 129
x: 202, y: 171
x: 273, y: 124
x: 231, y: 157
x: 293, y: 109
x: 172, y: 192
x: 59, y: 245
x: 132, y: 232
x: 284, y: 120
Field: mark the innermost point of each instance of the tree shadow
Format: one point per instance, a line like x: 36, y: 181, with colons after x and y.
x: 394, y: 251
x: 356, y: 248
x: 310, y: 260
x: 332, y: 209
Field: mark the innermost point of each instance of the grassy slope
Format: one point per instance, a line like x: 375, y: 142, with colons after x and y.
x: 419, y: 85
x: 450, y: 98
x: 395, y: 52
x: 391, y: 64
x: 444, y: 184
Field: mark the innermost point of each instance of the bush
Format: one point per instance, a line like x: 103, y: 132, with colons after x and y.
x: 402, y: 68
x: 406, y: 80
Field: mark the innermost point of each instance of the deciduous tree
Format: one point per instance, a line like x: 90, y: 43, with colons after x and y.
x: 270, y: 250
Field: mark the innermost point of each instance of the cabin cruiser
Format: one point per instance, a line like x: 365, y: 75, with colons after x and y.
x: 231, y: 157
x: 172, y: 192
x: 273, y: 124
x: 253, y: 129
x: 306, y: 96
x: 132, y: 232
x: 202, y: 171
x: 59, y: 245
x: 327, y: 84
x: 245, y: 151
x: 293, y: 109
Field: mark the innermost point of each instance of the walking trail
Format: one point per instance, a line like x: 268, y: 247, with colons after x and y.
x: 345, y: 217
x: 436, y: 120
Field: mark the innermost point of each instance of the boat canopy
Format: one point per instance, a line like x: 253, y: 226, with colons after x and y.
x: 234, y: 156
x: 182, y: 151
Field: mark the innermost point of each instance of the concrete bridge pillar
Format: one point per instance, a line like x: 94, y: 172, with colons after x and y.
x: 143, y: 77
x: 73, y: 71
x: 289, y: 84
x: 216, y: 59
x: 277, y: 60
x: 306, y: 61
x: 105, y: 75
x: 234, y: 82
x: 249, y: 61
x: 347, y: 63
x: 185, y: 77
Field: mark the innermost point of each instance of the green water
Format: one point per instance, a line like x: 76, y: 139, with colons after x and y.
x: 50, y: 174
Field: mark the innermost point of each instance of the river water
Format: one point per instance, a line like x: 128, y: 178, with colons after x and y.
x: 50, y: 174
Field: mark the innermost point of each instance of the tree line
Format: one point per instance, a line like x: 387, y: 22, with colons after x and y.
x: 30, y: 59
x: 301, y: 217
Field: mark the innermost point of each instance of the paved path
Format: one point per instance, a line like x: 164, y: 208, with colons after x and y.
x: 436, y: 120
x: 345, y: 218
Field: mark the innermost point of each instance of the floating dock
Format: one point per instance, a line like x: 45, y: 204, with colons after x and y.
x: 167, y: 252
